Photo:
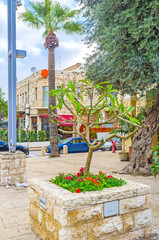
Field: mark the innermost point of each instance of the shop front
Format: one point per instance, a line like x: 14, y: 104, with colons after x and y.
x: 63, y: 124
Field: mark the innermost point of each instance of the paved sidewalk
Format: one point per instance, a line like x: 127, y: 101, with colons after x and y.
x: 14, y: 220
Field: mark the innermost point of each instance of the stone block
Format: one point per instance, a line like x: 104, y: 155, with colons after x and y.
x: 74, y: 233
x: 38, y: 229
x: 135, y: 235
x: 132, y: 204
x: 7, y: 180
x: 33, y: 210
x: 128, y: 222
x: 33, y: 196
x: 83, y: 215
x: 5, y: 165
x: 104, y: 228
x: 4, y: 172
x: 143, y: 219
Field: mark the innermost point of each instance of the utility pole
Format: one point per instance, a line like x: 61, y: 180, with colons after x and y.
x: 12, y: 54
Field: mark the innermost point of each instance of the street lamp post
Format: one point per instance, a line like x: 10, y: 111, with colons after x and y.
x: 12, y: 54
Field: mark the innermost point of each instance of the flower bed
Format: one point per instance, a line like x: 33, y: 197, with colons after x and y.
x: 116, y: 213
x: 77, y: 183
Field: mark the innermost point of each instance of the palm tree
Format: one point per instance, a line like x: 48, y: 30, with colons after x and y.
x: 52, y: 17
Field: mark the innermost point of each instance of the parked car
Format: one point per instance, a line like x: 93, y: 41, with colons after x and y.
x: 108, y: 145
x: 75, y: 145
x: 4, y: 147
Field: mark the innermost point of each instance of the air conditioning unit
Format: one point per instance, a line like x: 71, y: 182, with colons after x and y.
x: 23, y: 106
x: 27, y: 111
x: 27, y: 105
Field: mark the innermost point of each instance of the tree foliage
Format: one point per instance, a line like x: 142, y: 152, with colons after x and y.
x: 51, y: 17
x: 126, y: 34
x: 3, y: 106
x: 83, y: 110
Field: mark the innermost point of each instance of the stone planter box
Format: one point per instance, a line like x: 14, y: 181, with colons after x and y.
x: 12, y: 168
x: 58, y: 214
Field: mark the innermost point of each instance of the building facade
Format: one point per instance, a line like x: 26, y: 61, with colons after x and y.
x: 32, y: 100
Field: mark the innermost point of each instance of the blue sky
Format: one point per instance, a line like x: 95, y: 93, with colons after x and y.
x: 70, y: 51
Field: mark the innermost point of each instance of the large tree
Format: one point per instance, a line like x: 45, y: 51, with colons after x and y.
x: 3, y: 106
x: 52, y: 17
x: 126, y: 34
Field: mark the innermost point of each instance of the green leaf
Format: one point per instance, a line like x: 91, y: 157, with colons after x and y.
x: 60, y: 103
x: 78, y: 107
x: 134, y: 120
x: 52, y: 108
x: 122, y: 107
x: 72, y: 97
x: 130, y: 109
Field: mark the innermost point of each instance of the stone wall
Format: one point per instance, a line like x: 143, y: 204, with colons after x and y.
x: 12, y: 168
x: 61, y: 215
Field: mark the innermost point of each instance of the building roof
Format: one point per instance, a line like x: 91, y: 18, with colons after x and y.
x: 73, y: 67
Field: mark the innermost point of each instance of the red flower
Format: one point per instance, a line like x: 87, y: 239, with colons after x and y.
x: 109, y: 176
x: 78, y: 190
x: 82, y: 169
x: 79, y: 174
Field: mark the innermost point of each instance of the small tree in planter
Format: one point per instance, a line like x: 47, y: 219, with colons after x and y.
x: 83, y: 106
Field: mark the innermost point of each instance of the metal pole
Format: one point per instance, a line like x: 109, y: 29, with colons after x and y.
x: 9, y: 78
x: 20, y: 124
x: 13, y: 68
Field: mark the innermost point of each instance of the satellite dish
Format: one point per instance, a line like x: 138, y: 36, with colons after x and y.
x: 33, y: 69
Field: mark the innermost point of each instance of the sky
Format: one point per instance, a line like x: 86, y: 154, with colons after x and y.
x: 71, y: 47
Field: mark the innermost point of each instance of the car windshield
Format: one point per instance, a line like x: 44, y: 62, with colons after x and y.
x: 65, y: 140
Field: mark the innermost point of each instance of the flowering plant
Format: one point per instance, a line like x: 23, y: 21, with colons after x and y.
x: 78, y: 183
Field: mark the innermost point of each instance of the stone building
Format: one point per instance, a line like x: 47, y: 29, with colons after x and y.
x: 32, y: 100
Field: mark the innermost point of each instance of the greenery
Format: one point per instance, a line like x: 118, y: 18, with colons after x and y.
x: 78, y: 183
x: 82, y: 111
x: 155, y: 166
x: 41, y: 136
x: 51, y: 17
x: 126, y: 36
x: 3, y: 106
x: 93, y: 135
x: 32, y: 136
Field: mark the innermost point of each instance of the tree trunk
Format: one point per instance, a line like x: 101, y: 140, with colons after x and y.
x: 52, y: 101
x: 88, y: 162
x: 142, y: 142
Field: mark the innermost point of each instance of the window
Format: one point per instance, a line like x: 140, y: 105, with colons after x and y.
x: 17, y: 100
x: 81, y: 140
x: 25, y: 97
x: 36, y: 93
x: 45, y: 96
x: 22, y: 97
x: 75, y: 141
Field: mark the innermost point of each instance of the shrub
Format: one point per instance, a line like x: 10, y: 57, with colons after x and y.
x: 78, y: 183
x: 2, y: 134
x: 155, y: 166
x: 32, y: 136
x: 41, y: 135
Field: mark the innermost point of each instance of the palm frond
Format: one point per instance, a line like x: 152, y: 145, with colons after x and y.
x: 30, y: 19
x: 72, y: 27
x: 52, y: 16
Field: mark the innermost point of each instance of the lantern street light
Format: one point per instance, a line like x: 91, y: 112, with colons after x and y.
x: 12, y: 54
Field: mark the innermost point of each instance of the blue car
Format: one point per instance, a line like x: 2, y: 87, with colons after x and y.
x: 75, y: 145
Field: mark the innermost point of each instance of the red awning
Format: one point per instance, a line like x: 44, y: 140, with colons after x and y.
x: 67, y: 117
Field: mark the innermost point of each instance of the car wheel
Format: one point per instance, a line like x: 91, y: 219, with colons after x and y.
x: 110, y: 149
x: 61, y: 151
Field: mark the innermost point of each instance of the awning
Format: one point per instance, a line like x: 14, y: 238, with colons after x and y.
x: 67, y: 117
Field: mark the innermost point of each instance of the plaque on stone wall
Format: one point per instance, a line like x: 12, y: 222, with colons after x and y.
x: 43, y: 202
x: 111, y: 208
